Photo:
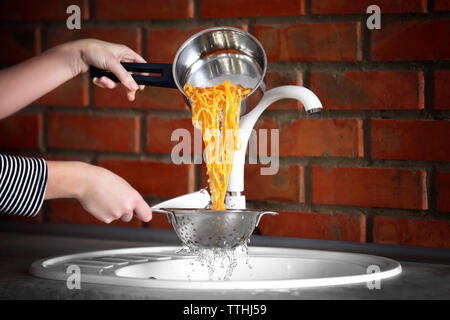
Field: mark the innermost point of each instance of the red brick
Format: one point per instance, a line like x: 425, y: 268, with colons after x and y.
x: 251, y: 8
x: 410, y: 140
x: 32, y: 10
x: 130, y: 37
x: 203, y: 176
x: 442, y: 89
x: 317, y: 137
x: 71, y: 211
x: 411, y: 232
x: 163, y: 44
x: 160, y: 221
x: 19, y: 44
x: 369, y: 90
x: 443, y: 191
x: 411, y: 40
x: 93, y: 132
x: 275, y: 79
x: 21, y: 131
x: 154, y: 178
x: 143, y: 9
x: 73, y: 93
x: 311, y: 41
x: 281, y: 78
x: 369, y: 187
x: 360, y: 6
x: 150, y: 98
x: 287, y: 185
x: 441, y: 5
x: 159, y: 132
x: 345, y: 227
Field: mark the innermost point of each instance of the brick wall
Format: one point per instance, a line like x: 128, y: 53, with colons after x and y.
x: 373, y: 167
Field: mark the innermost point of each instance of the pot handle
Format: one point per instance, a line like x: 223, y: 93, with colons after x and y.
x: 164, y: 77
x: 273, y: 213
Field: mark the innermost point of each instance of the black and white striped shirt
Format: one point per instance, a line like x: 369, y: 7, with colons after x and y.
x: 22, y: 185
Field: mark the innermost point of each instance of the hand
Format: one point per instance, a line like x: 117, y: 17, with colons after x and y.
x: 102, y: 193
x: 107, y: 56
x: 25, y: 82
x: 108, y: 197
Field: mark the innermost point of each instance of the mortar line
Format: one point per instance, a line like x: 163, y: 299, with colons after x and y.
x: 430, y: 6
x: 367, y: 139
x: 197, y: 10
x: 143, y: 134
x: 307, y: 177
x: 366, y: 42
x: 431, y: 190
x: 308, y: 8
x: 411, y: 214
x: 369, y: 226
x: 282, y: 20
x: 92, y: 10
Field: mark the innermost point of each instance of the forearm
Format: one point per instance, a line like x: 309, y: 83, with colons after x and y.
x: 102, y: 193
x: 25, y: 82
x: 26, y: 182
x: 66, y: 179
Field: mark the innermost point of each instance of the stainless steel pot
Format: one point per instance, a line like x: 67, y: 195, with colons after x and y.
x: 206, y: 59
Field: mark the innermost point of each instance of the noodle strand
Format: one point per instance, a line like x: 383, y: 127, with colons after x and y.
x: 215, y: 111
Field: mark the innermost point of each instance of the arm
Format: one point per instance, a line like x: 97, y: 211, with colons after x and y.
x: 26, y: 182
x: 102, y: 193
x: 23, y: 83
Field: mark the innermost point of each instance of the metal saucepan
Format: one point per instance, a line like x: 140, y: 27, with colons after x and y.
x: 206, y: 59
x: 205, y: 228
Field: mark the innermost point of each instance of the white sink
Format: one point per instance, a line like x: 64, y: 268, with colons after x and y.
x: 266, y: 268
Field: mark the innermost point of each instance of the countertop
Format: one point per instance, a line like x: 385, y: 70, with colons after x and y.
x: 426, y: 271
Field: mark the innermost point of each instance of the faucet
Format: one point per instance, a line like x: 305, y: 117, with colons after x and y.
x: 234, y: 198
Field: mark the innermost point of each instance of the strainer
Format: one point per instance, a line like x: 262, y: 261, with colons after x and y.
x: 206, y: 228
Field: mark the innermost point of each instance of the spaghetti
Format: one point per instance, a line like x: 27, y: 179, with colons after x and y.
x: 215, y: 111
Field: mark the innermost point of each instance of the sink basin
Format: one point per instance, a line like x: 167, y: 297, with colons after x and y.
x: 266, y: 268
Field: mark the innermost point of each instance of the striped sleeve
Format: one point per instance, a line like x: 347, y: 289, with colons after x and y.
x: 22, y: 185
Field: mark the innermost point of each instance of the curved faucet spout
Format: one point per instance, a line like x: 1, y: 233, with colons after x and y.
x: 311, y: 104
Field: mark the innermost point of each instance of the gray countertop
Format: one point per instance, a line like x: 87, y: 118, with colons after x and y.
x: 426, y: 271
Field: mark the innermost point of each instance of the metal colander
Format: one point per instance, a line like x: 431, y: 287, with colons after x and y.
x: 206, y: 228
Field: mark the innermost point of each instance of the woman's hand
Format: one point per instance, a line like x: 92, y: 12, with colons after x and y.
x: 107, y: 56
x: 102, y: 193
x: 25, y: 82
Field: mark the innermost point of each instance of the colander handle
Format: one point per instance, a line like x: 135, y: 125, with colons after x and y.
x: 273, y: 213
x: 164, y: 77
x: 169, y: 214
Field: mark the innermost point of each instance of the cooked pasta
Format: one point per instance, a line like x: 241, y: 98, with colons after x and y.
x: 215, y: 111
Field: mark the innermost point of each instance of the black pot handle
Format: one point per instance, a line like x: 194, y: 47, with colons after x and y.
x: 164, y: 77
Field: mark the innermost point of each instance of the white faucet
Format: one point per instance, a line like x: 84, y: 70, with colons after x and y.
x: 234, y: 198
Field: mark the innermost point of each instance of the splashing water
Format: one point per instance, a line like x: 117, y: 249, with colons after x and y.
x: 219, y: 262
